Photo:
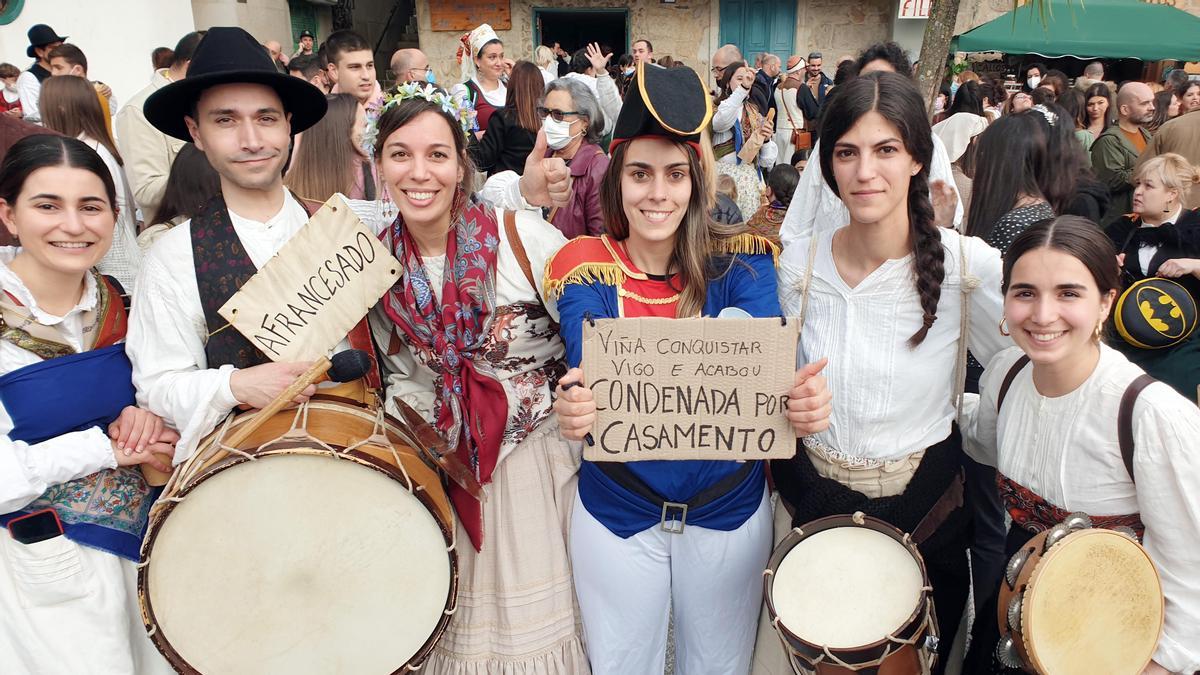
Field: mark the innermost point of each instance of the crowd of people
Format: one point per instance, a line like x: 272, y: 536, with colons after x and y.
x: 937, y: 271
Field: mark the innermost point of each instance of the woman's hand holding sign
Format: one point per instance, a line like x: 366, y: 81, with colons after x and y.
x: 809, y: 401
x: 575, y: 406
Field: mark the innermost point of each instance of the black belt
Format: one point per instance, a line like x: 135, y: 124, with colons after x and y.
x: 619, y: 472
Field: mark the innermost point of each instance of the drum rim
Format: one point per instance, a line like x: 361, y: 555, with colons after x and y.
x: 918, y: 619
x: 287, y: 447
x: 1031, y: 649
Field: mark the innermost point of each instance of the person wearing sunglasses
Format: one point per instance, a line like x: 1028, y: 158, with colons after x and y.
x: 411, y: 65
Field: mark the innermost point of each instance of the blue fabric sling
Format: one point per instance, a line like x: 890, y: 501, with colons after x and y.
x: 109, y: 509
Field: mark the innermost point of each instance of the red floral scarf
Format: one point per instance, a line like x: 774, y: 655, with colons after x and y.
x: 470, y: 406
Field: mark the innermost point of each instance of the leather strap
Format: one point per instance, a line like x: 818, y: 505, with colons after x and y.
x: 950, y: 500
x: 518, y: 249
x: 1124, y: 411
x: 620, y: 474
x: 1125, y: 420
x: 1008, y: 380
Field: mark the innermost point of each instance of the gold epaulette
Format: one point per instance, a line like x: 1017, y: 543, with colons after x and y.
x: 748, y: 244
x: 583, y: 260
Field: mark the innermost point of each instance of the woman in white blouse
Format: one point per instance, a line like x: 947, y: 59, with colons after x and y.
x: 1048, y: 421
x: 885, y: 299
x: 73, y: 504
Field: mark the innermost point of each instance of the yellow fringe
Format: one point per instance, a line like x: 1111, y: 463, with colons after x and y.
x: 608, y: 273
x: 749, y: 244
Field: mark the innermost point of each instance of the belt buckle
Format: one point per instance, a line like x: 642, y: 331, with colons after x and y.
x: 671, y: 524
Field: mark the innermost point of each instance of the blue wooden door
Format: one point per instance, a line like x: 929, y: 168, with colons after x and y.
x: 757, y: 26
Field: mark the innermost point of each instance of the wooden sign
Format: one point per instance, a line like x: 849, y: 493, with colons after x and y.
x: 464, y: 15
x: 690, y: 388
x: 316, y: 288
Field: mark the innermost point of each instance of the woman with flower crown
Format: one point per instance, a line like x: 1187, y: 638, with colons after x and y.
x: 470, y: 346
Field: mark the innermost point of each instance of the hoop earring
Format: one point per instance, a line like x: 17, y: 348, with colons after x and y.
x: 1004, y: 326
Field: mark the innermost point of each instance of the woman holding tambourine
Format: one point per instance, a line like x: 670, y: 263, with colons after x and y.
x: 637, y: 561
x: 1154, y: 319
x: 1081, y: 437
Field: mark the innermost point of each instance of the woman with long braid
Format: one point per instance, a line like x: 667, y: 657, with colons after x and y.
x: 885, y: 299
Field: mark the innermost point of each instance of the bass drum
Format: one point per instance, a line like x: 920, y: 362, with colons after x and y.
x: 325, y: 544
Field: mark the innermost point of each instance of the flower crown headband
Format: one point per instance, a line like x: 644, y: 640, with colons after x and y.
x: 457, y: 107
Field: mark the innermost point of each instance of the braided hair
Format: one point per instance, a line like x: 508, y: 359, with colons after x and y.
x: 897, y: 100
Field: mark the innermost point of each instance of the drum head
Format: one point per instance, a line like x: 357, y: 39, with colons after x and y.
x: 846, y: 587
x: 298, y: 563
x: 1094, y: 605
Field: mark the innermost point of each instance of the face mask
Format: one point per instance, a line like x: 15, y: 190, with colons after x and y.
x: 628, y: 72
x: 558, y: 134
x: 1033, y: 82
x: 429, y: 77
x: 953, y: 90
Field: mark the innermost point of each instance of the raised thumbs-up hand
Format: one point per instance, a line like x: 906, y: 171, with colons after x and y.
x: 546, y: 180
x: 809, y: 401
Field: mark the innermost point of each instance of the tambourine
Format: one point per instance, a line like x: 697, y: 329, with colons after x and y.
x: 1155, y: 313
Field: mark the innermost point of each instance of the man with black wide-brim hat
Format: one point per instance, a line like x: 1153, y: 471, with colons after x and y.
x: 42, y: 39
x: 190, y: 367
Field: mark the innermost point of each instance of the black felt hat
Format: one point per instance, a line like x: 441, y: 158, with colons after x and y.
x: 230, y: 55
x: 668, y: 102
x: 41, y: 35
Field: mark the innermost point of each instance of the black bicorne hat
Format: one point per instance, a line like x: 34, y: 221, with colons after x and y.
x: 41, y: 35
x: 668, y: 102
x: 228, y: 55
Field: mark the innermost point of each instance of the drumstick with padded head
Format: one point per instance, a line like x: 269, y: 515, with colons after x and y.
x: 345, y: 367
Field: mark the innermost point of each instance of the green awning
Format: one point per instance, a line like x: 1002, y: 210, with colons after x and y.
x: 1090, y: 29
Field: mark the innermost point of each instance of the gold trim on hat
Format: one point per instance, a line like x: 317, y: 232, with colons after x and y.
x: 708, y: 111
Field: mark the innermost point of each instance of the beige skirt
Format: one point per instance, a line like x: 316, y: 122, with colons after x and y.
x: 517, y: 612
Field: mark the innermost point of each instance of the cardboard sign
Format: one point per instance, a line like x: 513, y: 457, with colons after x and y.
x: 690, y: 388
x: 316, y: 288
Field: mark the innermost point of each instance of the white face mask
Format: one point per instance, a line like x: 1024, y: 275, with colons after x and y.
x: 1033, y: 81
x: 558, y: 134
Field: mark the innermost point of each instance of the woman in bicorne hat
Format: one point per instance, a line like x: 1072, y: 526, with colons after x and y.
x: 636, y: 562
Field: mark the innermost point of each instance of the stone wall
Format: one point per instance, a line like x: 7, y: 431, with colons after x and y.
x: 264, y: 19
x: 685, y: 30
x: 836, y: 27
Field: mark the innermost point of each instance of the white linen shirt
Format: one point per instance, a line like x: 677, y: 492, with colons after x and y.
x: 28, y: 470
x: 29, y: 88
x: 890, y: 400
x: 167, y: 330
x: 815, y: 205
x: 1065, y: 449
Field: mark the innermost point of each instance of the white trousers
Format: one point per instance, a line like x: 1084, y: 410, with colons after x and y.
x: 709, y: 579
x: 67, y: 609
